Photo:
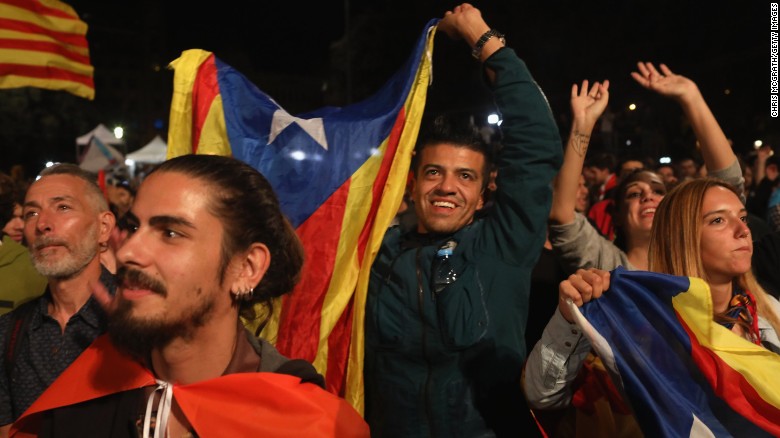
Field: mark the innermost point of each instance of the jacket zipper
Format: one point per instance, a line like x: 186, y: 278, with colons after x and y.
x: 421, y: 304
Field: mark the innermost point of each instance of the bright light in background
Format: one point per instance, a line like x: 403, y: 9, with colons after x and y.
x: 628, y: 142
x: 757, y: 144
x: 493, y: 119
x: 119, y: 132
x: 632, y: 106
x: 298, y: 155
x: 664, y: 160
x: 129, y: 162
x: 727, y: 91
x: 49, y: 163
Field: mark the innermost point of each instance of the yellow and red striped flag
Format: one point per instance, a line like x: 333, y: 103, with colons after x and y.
x: 43, y: 44
x: 339, y: 173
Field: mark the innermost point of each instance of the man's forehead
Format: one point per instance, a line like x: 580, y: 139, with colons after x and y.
x: 55, y: 186
x: 172, y: 194
x: 446, y: 153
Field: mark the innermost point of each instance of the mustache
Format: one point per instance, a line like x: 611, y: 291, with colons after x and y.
x: 42, y: 241
x: 135, y: 279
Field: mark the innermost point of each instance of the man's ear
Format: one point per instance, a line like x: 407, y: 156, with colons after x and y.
x: 251, y: 266
x: 106, y: 224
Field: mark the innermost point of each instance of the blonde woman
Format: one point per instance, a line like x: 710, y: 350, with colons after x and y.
x: 700, y: 230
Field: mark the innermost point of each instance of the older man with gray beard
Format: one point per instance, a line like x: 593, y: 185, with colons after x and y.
x: 67, y: 224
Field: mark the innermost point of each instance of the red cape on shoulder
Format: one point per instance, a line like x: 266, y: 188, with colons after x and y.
x: 265, y: 404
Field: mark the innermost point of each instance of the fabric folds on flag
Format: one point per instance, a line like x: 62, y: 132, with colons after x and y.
x: 682, y: 373
x: 100, y: 156
x: 43, y: 44
x: 276, y: 405
x: 340, y: 175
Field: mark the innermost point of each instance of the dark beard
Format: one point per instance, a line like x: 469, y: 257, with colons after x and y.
x: 138, y: 337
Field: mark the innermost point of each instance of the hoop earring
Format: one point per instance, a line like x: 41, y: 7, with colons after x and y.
x: 243, y: 294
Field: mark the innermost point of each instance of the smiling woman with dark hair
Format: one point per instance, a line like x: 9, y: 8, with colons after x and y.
x: 576, y: 242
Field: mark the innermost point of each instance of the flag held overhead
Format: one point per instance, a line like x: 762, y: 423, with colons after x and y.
x: 340, y: 174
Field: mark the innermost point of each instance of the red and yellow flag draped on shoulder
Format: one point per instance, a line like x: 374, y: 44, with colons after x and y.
x: 340, y: 174
x: 277, y: 404
x: 43, y: 44
x: 682, y: 373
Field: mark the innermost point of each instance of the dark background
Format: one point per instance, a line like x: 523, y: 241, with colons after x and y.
x: 310, y: 54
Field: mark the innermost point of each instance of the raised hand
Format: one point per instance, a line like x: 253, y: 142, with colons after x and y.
x: 665, y: 82
x: 458, y: 22
x: 581, y: 287
x: 587, y: 105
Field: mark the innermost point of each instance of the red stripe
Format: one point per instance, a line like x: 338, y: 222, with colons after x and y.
x: 299, y: 326
x: 204, y: 91
x: 338, y: 348
x: 72, y: 39
x: 338, y: 352
x: 39, y: 9
x: 380, y: 181
x: 733, y: 388
x: 44, y: 72
x: 43, y: 46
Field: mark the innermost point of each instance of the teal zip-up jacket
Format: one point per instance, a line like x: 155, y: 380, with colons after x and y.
x: 450, y: 365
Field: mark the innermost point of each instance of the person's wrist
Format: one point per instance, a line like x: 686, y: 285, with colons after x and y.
x: 490, y: 36
x: 690, y: 97
x: 582, y: 127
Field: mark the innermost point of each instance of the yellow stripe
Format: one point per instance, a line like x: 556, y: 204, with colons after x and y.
x: 180, y: 123
x: 213, y: 134
x: 76, y: 88
x: 44, y: 59
x: 57, y: 24
x: 757, y: 365
x: 346, y: 268
x: 56, y: 4
x: 388, y: 207
x: 23, y: 36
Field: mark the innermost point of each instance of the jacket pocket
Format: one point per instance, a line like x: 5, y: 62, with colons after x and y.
x: 462, y: 310
x: 387, y: 318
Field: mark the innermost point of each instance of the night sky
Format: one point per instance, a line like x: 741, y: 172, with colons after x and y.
x: 721, y: 45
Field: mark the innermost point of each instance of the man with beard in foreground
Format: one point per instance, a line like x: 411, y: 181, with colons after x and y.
x: 208, y: 243
x: 66, y: 223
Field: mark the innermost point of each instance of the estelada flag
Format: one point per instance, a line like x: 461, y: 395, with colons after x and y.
x: 43, y: 44
x: 242, y: 404
x: 340, y: 175
x: 682, y: 373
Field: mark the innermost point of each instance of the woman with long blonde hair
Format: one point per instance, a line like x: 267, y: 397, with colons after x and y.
x: 700, y: 230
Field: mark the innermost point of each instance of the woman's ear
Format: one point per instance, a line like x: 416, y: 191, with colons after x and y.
x: 251, y: 266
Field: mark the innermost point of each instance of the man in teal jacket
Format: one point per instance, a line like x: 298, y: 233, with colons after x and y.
x: 445, y: 360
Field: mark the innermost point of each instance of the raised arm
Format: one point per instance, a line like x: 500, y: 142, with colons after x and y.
x: 715, y: 148
x: 587, y: 105
x: 466, y: 22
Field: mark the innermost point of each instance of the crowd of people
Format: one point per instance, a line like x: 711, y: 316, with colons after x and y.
x: 128, y: 298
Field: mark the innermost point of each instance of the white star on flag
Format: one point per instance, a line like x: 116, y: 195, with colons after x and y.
x: 314, y: 127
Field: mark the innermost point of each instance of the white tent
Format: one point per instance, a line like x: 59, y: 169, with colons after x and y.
x: 154, y: 152
x: 102, y: 133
